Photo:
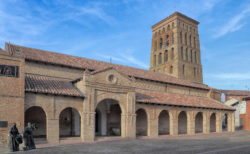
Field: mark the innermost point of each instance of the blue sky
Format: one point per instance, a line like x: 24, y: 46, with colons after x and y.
x: 121, y: 30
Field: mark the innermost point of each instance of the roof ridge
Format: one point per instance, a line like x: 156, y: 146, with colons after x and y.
x: 65, y: 54
x: 86, y: 63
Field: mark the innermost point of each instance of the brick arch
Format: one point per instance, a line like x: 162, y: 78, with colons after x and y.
x: 37, y: 116
x: 164, y: 118
x: 108, y: 118
x: 212, y: 122
x: 111, y: 96
x: 145, y: 109
x: 63, y: 107
x: 142, y: 125
x: 225, y: 121
x: 182, y: 122
x: 115, y: 100
x: 40, y: 106
x: 199, y: 118
x: 69, y: 122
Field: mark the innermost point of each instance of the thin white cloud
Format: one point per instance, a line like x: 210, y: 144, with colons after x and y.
x: 25, y: 24
x: 126, y: 59
x: 230, y: 76
x: 210, y: 4
x: 234, y: 24
x: 131, y: 59
x: 111, y: 58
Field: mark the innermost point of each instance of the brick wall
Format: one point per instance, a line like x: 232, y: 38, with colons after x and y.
x: 246, y: 117
x: 11, y: 96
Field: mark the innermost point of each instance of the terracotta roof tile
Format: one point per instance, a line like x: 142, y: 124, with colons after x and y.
x: 179, y: 100
x: 236, y: 92
x: 49, y: 85
x: 84, y: 63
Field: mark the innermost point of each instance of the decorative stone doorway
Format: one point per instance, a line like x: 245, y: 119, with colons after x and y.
x: 108, y: 118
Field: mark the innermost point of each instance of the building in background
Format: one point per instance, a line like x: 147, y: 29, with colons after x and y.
x: 67, y: 96
x: 238, y: 100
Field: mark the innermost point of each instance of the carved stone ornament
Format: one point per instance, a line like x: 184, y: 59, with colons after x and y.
x: 111, y: 78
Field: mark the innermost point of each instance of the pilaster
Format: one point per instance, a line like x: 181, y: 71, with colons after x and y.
x: 218, y: 122
x: 190, y: 123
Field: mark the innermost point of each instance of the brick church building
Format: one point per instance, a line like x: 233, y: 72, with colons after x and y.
x: 67, y: 96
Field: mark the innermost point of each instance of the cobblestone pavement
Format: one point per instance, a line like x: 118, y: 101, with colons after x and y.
x: 228, y: 143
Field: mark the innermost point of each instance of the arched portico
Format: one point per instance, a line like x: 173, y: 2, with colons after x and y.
x: 69, y: 123
x: 199, y: 123
x: 225, y: 122
x: 163, y: 123
x: 37, y: 117
x: 108, y: 118
x: 213, y: 122
x: 141, y: 122
x: 182, y: 123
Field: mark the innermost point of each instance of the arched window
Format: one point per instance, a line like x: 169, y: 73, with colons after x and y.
x: 190, y: 40
x: 187, y: 54
x: 166, y: 56
x: 172, y: 37
x: 168, y: 27
x: 194, y: 72
x: 172, y: 24
x: 182, y: 56
x: 191, y: 55
x: 195, y: 59
x: 155, y: 46
x: 154, y: 60
x: 181, y: 37
x: 186, y: 38
x: 160, y: 43
x: 183, y: 70
x: 171, y: 70
x: 167, y: 40
x: 159, y: 58
x: 194, y: 42
x: 172, y: 53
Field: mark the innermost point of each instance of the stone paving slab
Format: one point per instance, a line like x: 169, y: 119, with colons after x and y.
x: 238, y: 142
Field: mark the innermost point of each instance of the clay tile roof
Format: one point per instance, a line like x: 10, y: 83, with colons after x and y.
x: 3, y: 52
x: 94, y: 65
x: 49, y: 85
x: 179, y: 100
x: 236, y: 92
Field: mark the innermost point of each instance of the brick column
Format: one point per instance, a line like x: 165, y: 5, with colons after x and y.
x: 153, y: 128
x: 128, y: 126
x: 173, y: 117
x: 230, y: 124
x: 128, y: 122
x: 206, y: 122
x: 152, y: 123
x: 190, y: 123
x: 53, y: 131
x: 233, y: 122
x: 218, y: 122
x: 87, y: 127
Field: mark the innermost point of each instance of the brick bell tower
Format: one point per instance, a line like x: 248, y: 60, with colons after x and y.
x: 176, y: 49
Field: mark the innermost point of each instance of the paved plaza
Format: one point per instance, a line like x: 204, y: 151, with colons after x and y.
x: 238, y: 142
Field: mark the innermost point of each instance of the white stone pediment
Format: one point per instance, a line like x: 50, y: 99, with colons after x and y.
x: 110, y: 76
